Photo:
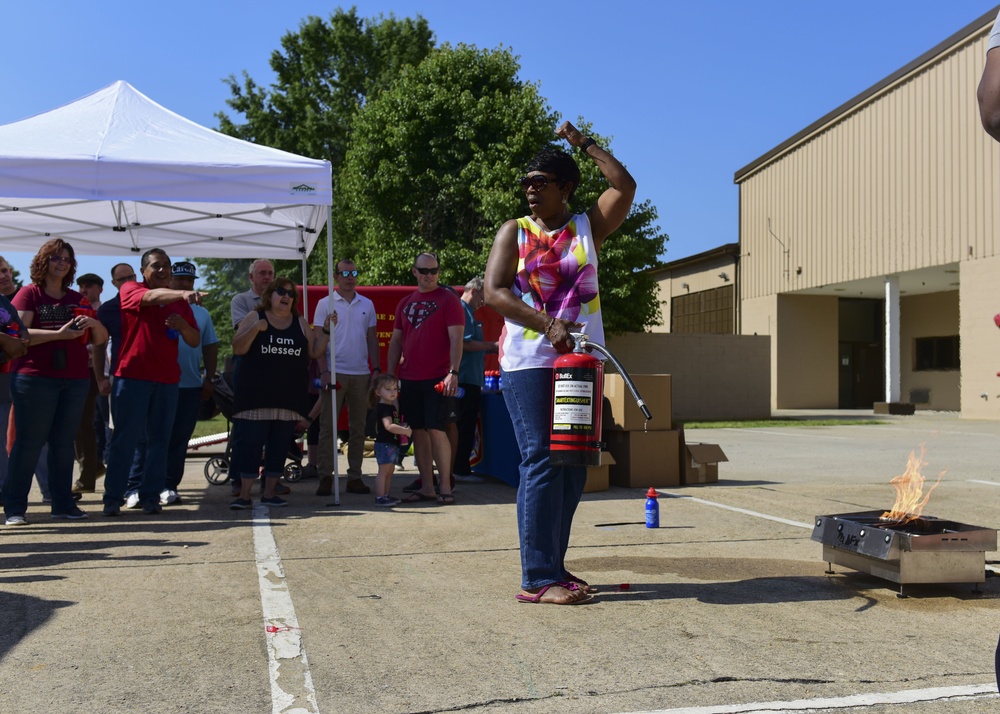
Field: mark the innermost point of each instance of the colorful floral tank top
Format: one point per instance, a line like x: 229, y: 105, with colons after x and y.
x: 557, y: 275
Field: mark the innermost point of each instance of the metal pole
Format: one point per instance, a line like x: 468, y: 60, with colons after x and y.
x: 333, y: 358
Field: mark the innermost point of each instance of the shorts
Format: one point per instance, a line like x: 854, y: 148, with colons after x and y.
x: 386, y: 453
x: 424, y: 408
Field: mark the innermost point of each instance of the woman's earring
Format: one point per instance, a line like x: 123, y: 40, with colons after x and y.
x: 564, y: 200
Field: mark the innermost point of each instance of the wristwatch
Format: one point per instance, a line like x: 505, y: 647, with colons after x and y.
x: 453, y: 371
x: 587, y: 144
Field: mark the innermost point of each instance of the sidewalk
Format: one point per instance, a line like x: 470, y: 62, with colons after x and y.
x: 412, y: 609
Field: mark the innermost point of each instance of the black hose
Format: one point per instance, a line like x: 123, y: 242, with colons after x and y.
x: 590, y: 346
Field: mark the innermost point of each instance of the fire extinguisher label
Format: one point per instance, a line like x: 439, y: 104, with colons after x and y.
x: 574, y: 400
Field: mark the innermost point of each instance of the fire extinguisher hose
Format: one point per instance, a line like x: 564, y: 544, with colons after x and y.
x: 590, y: 346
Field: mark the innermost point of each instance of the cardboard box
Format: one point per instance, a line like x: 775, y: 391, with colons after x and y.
x: 701, y: 463
x: 598, y: 477
x: 625, y: 415
x: 645, y: 458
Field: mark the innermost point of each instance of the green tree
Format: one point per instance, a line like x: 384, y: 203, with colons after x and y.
x: 325, y: 73
x: 433, y: 164
x: 426, y: 146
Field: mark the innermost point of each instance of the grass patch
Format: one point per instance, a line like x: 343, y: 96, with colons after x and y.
x: 764, y: 423
x: 215, y: 425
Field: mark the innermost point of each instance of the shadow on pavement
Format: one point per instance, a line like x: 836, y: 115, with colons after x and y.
x: 22, y: 615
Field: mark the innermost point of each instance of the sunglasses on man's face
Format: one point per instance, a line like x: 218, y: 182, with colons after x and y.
x: 348, y: 273
x: 285, y: 292
x: 427, y: 271
x: 537, y: 182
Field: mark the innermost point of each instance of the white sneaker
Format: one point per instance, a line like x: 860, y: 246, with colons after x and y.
x: 132, y: 500
x: 16, y: 521
x: 167, y: 497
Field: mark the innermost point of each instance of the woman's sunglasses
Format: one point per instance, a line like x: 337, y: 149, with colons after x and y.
x: 285, y: 292
x: 537, y: 182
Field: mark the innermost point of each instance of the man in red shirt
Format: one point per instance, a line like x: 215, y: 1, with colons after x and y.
x: 144, y: 393
x: 427, y: 335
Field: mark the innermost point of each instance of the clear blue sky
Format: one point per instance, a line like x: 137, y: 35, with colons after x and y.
x: 689, y: 91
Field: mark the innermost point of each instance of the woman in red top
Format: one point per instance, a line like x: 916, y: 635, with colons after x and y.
x: 51, y: 381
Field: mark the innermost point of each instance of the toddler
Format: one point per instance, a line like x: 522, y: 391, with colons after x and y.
x: 389, y: 435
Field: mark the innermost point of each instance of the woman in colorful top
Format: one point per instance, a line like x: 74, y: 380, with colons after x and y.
x: 542, y: 277
x: 51, y: 381
x: 272, y: 387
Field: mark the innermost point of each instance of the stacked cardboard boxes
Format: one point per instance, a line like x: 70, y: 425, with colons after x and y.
x: 645, y: 453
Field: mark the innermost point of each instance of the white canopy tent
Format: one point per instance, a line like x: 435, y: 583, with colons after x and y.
x: 115, y: 173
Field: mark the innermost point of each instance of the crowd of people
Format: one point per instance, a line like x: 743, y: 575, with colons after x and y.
x: 116, y: 387
x: 121, y: 383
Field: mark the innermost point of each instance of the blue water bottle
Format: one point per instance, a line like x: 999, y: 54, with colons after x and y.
x: 652, y: 509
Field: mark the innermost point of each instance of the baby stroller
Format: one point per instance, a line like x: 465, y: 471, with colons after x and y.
x: 217, y: 467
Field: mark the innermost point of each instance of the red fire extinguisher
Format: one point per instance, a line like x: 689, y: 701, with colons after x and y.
x: 577, y: 394
x: 577, y: 399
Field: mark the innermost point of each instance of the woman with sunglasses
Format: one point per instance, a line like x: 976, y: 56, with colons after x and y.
x: 542, y: 277
x: 272, y: 387
x: 51, y: 381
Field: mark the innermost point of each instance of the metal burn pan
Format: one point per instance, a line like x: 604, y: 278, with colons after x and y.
x: 922, y: 551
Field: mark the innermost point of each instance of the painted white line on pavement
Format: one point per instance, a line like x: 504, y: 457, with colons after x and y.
x: 292, y: 689
x: 910, y: 696
x: 740, y: 510
x: 988, y: 483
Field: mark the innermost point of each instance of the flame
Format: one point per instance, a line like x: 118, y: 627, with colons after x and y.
x: 910, y: 497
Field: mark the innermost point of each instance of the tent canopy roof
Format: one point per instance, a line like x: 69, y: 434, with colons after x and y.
x: 115, y: 173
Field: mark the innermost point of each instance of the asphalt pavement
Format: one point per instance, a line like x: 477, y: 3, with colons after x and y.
x: 355, y: 608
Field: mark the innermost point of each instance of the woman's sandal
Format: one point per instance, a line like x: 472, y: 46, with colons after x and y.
x: 583, y: 584
x: 536, y: 598
x: 446, y: 499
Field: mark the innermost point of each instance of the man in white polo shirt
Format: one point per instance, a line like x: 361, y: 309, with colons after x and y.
x: 356, y: 344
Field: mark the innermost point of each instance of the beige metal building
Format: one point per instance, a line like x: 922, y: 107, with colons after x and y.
x: 870, y: 245
x: 698, y: 293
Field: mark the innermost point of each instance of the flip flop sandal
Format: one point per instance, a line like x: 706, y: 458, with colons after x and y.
x: 446, y: 499
x: 536, y: 598
x: 583, y: 584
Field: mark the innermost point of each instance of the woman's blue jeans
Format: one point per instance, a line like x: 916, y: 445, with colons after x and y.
x: 46, y: 410
x: 250, y: 437
x: 547, y: 496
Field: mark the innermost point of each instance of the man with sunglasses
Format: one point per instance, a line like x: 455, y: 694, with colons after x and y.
x: 144, y: 397
x: 427, y: 336
x: 356, y: 342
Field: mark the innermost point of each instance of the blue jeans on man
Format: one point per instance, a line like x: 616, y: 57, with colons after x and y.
x: 139, y: 407
x: 185, y: 420
x: 547, y: 495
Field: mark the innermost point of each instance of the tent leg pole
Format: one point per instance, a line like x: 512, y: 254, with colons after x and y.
x: 333, y: 359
